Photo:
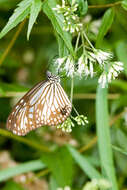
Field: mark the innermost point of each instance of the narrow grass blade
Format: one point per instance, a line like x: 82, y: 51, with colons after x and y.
x: 103, y: 133
x: 84, y: 164
x: 21, y: 168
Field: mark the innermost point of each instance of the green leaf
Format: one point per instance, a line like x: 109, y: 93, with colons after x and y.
x: 21, y: 168
x: 61, y: 165
x: 124, y: 4
x: 82, y: 7
x: 119, y: 149
x: 121, y: 52
x: 105, y: 25
x: 11, y: 185
x: 52, y: 185
x: 103, y: 133
x: 34, y: 11
x: 63, y: 51
x: 84, y: 164
x: 57, y: 22
x: 20, y: 13
x: 121, y: 139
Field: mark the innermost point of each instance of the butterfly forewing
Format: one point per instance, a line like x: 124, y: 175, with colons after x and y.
x: 44, y: 104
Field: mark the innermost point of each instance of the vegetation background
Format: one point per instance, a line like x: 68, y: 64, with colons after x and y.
x: 48, y: 158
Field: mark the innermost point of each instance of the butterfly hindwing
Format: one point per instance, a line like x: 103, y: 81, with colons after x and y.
x: 44, y: 104
x: 18, y: 121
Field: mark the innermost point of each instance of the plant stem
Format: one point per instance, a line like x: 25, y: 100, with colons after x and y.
x: 77, y: 42
x: 72, y: 88
x: 105, y: 6
x: 24, y: 140
x: 9, y: 47
x: 75, y: 110
x: 88, y: 40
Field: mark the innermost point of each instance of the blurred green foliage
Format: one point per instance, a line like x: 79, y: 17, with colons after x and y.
x: 26, y: 64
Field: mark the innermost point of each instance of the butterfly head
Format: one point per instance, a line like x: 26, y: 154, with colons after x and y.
x: 52, y: 78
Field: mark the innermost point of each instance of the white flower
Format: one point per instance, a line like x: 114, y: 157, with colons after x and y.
x: 69, y: 66
x: 81, y: 66
x: 103, y: 80
x: 91, y: 69
x: 85, y: 66
x: 111, y: 74
x: 118, y: 66
x: 60, y: 61
x: 100, y: 56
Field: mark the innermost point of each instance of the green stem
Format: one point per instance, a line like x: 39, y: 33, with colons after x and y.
x: 75, y: 110
x: 83, y: 43
x: 77, y: 42
x: 88, y: 40
x: 72, y: 88
x: 24, y: 140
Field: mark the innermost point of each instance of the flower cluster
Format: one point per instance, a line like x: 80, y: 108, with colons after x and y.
x: 111, y: 74
x: 71, y: 19
x: 86, y: 64
x: 67, y: 125
x: 81, y: 120
x: 97, y: 184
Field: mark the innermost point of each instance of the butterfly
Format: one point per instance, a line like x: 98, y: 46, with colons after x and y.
x: 45, y: 104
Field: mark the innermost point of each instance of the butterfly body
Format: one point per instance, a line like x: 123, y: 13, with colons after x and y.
x: 41, y: 106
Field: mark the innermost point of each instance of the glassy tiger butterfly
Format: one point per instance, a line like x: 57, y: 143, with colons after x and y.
x: 45, y: 104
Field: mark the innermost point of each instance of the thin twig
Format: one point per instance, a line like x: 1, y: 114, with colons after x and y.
x: 12, y: 94
x: 24, y: 140
x: 105, y: 6
x: 75, y: 96
x: 93, y: 96
x: 94, y: 140
x: 10, y: 45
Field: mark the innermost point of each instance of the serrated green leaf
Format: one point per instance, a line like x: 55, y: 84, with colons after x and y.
x: 105, y: 25
x: 84, y: 164
x: 34, y: 11
x: 20, y: 13
x: 61, y: 165
x: 21, y: 168
x: 124, y: 4
x: 57, y: 21
x: 103, y: 133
